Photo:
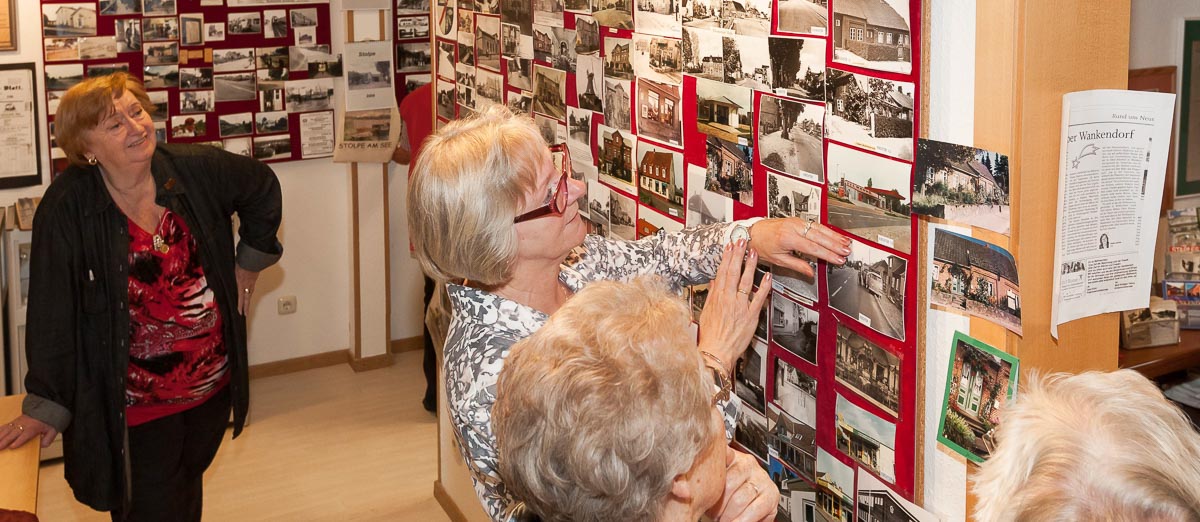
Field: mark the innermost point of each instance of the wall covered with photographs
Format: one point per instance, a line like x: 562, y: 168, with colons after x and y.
x: 688, y: 112
x: 253, y: 76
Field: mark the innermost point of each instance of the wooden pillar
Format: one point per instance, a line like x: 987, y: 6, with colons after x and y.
x: 370, y: 298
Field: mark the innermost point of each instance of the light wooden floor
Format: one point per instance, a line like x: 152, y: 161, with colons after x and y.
x: 323, y: 445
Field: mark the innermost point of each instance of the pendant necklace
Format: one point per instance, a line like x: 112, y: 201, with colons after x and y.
x: 159, y: 244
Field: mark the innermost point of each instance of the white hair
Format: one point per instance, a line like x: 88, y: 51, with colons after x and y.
x: 1093, y: 446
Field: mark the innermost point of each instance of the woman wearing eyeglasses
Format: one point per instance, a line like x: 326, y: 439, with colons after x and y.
x: 490, y: 212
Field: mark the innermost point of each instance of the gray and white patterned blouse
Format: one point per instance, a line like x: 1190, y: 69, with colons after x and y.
x: 484, y: 326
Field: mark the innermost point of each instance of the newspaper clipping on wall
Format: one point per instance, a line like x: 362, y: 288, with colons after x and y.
x: 18, y: 131
x: 1114, y: 155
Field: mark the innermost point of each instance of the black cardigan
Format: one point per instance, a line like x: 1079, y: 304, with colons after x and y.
x: 77, y: 328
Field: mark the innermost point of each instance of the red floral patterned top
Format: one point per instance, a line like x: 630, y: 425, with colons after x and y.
x: 177, y: 356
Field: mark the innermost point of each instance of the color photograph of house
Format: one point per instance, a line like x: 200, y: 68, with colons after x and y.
x: 962, y: 184
x: 869, y: 197
x: 835, y: 489
x: 866, y: 438
x: 660, y: 179
x: 976, y: 278
x: 979, y: 381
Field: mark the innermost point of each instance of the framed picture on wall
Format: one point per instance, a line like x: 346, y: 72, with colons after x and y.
x: 1187, y: 178
x: 8, y: 30
x: 22, y: 165
x: 1159, y: 79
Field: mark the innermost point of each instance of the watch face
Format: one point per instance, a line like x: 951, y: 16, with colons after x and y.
x: 739, y: 232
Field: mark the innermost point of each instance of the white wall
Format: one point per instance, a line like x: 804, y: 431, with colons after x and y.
x: 316, y: 236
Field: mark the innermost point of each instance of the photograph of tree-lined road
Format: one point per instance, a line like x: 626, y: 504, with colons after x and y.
x: 869, y: 197
x: 870, y: 289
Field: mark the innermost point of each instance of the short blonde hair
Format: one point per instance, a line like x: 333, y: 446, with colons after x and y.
x: 598, y: 411
x: 1093, y: 446
x: 468, y: 184
x: 84, y: 105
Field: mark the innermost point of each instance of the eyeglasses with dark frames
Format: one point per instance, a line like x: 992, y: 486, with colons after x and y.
x: 556, y: 201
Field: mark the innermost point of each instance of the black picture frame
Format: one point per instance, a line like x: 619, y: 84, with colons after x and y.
x: 35, y: 178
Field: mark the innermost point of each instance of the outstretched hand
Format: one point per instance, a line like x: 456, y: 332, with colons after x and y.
x: 731, y: 311
x: 24, y: 429
x: 781, y: 242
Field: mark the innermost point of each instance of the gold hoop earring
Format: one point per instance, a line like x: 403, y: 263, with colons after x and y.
x: 92, y: 160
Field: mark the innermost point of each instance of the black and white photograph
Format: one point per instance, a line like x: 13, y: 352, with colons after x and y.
x: 962, y: 184
x: 511, y: 40
x: 240, y: 124
x: 195, y: 101
x: 520, y: 74
x: 869, y: 369
x: 751, y: 432
x: 307, y: 17
x: 215, y: 32
x: 52, y: 99
x: 659, y: 112
x: 489, y: 86
x: 128, y: 33
x: 548, y: 12
x: 794, y: 327
x: 868, y: 196
x: 372, y: 125
x: 270, y: 96
x: 240, y: 146
x: 268, y: 148
x: 466, y: 49
x: 729, y: 172
x: 835, y: 484
x: 660, y: 179
x: 97, y: 48
x: 160, y: 131
x: 563, y: 55
x: 793, y: 441
x: 870, y: 113
x: 748, y: 17
x: 657, y: 59
x: 413, y: 27
x: 724, y: 111
x: 516, y: 13
x: 487, y: 42
x: 617, y: 14
x: 160, y: 28
x: 617, y: 104
x: 866, y: 438
x: 62, y: 49
x: 701, y: 13
x: 196, y: 77
x: 445, y: 21
x: 615, y: 151
x: 787, y: 197
x: 750, y: 377
x: 314, y: 94
x: 68, y: 19
x: 617, y: 60
x: 798, y: 66
x: 278, y: 74
x: 704, y: 207
x: 659, y: 17
x: 976, y: 278
x: 158, y: 7
x: 587, y: 35
x: 105, y: 69
x: 275, y: 23
x: 191, y: 29
x: 702, y: 53
x: 872, y: 34
x: 245, y: 23
x: 161, y: 102
x: 585, y: 173
x: 869, y: 288
x: 464, y: 75
x: 272, y: 57
x: 795, y: 392
x: 229, y: 60
x: 271, y: 122
x: 579, y: 134
x: 578, y: 6
x: 161, y: 76
x: 803, y: 17
x: 548, y: 128
x: 878, y: 503
x: 413, y: 57
x: 794, y: 284
x: 622, y: 214
x: 445, y: 59
x: 402, y: 7
x: 189, y: 126
x: 789, y: 137
x: 160, y: 53
x: 444, y: 98
x: 237, y: 86
x: 544, y: 42
x: 599, y: 200
x: 120, y: 7
x: 550, y: 91
x: 368, y: 75
x: 589, y: 82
